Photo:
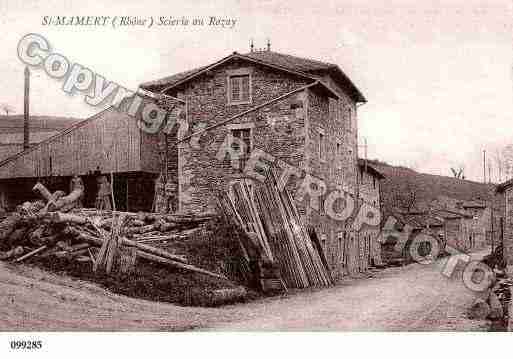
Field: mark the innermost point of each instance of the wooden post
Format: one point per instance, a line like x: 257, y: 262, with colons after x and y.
x: 502, y: 237
x: 112, y: 191
x: 491, y: 226
x: 127, y: 208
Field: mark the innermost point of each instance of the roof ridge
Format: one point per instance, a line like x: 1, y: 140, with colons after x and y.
x: 294, y: 56
x: 170, y: 77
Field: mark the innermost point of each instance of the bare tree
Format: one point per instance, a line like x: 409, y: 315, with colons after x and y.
x: 458, y: 172
x: 5, y: 107
x: 507, y: 162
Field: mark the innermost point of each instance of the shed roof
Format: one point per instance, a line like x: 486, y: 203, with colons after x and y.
x: 370, y: 168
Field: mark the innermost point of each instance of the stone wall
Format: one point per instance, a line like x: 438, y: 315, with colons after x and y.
x: 338, y: 171
x: 369, y: 189
x: 508, y: 226
x: 459, y: 233
x: 277, y: 129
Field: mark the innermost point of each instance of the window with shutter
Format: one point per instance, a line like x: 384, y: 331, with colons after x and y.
x: 239, y: 91
x: 234, y: 85
x: 243, y: 134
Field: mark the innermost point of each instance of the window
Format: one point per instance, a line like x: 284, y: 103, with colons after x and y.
x: 242, y: 133
x: 324, y: 238
x: 374, y: 182
x: 239, y: 89
x: 350, y: 118
x: 322, y: 145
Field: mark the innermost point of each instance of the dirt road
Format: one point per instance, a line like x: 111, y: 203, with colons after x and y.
x: 416, y: 297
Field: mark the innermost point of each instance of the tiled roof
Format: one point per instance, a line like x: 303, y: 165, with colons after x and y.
x: 452, y: 214
x: 287, y: 62
x: 423, y: 220
x: 473, y: 204
x: 159, y: 84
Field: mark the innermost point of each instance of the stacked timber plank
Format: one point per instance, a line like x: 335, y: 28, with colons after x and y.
x: 111, y: 241
x: 275, y: 232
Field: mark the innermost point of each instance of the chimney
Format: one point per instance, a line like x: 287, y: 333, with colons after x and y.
x: 268, y: 44
x: 252, y: 46
x: 26, y: 139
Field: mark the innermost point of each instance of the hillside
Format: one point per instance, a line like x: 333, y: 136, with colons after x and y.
x: 14, y: 123
x: 404, y: 186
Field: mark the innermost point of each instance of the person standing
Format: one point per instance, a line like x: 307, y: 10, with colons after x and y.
x: 103, y: 200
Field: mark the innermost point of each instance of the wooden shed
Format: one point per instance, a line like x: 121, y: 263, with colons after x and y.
x: 109, y: 141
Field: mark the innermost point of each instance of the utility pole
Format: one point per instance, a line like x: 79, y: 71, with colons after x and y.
x: 365, y: 151
x: 499, y: 164
x: 484, y: 166
x: 26, y: 139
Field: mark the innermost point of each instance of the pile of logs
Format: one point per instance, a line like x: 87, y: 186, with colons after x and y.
x: 111, y: 241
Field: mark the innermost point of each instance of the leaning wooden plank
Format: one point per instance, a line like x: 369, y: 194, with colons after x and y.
x: 91, y: 255
x: 114, y: 242
x: 30, y: 254
x: 127, y: 242
x: 174, y: 264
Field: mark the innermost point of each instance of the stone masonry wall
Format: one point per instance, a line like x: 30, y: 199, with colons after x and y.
x: 277, y: 130
x: 369, y: 187
x: 508, y: 226
x: 338, y: 170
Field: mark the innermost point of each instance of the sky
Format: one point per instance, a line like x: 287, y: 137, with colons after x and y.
x: 437, y: 75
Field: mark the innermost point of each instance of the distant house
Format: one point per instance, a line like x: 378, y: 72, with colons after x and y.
x: 474, y: 218
x: 505, y: 193
x: 412, y: 224
x: 459, y: 233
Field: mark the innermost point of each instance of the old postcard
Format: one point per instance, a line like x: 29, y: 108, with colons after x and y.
x: 263, y: 166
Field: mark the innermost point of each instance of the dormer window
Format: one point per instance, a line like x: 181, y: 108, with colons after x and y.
x: 239, y: 87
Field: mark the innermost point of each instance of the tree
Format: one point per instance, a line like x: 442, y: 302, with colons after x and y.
x: 506, y: 160
x: 458, y: 172
x: 7, y: 108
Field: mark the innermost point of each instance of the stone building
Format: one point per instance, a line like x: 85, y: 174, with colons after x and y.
x: 505, y: 193
x: 297, y: 113
x: 409, y: 225
x: 469, y: 221
x: 369, y: 191
x: 481, y: 222
x: 458, y: 229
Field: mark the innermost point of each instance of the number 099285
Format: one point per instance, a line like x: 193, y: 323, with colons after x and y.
x: 26, y: 344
